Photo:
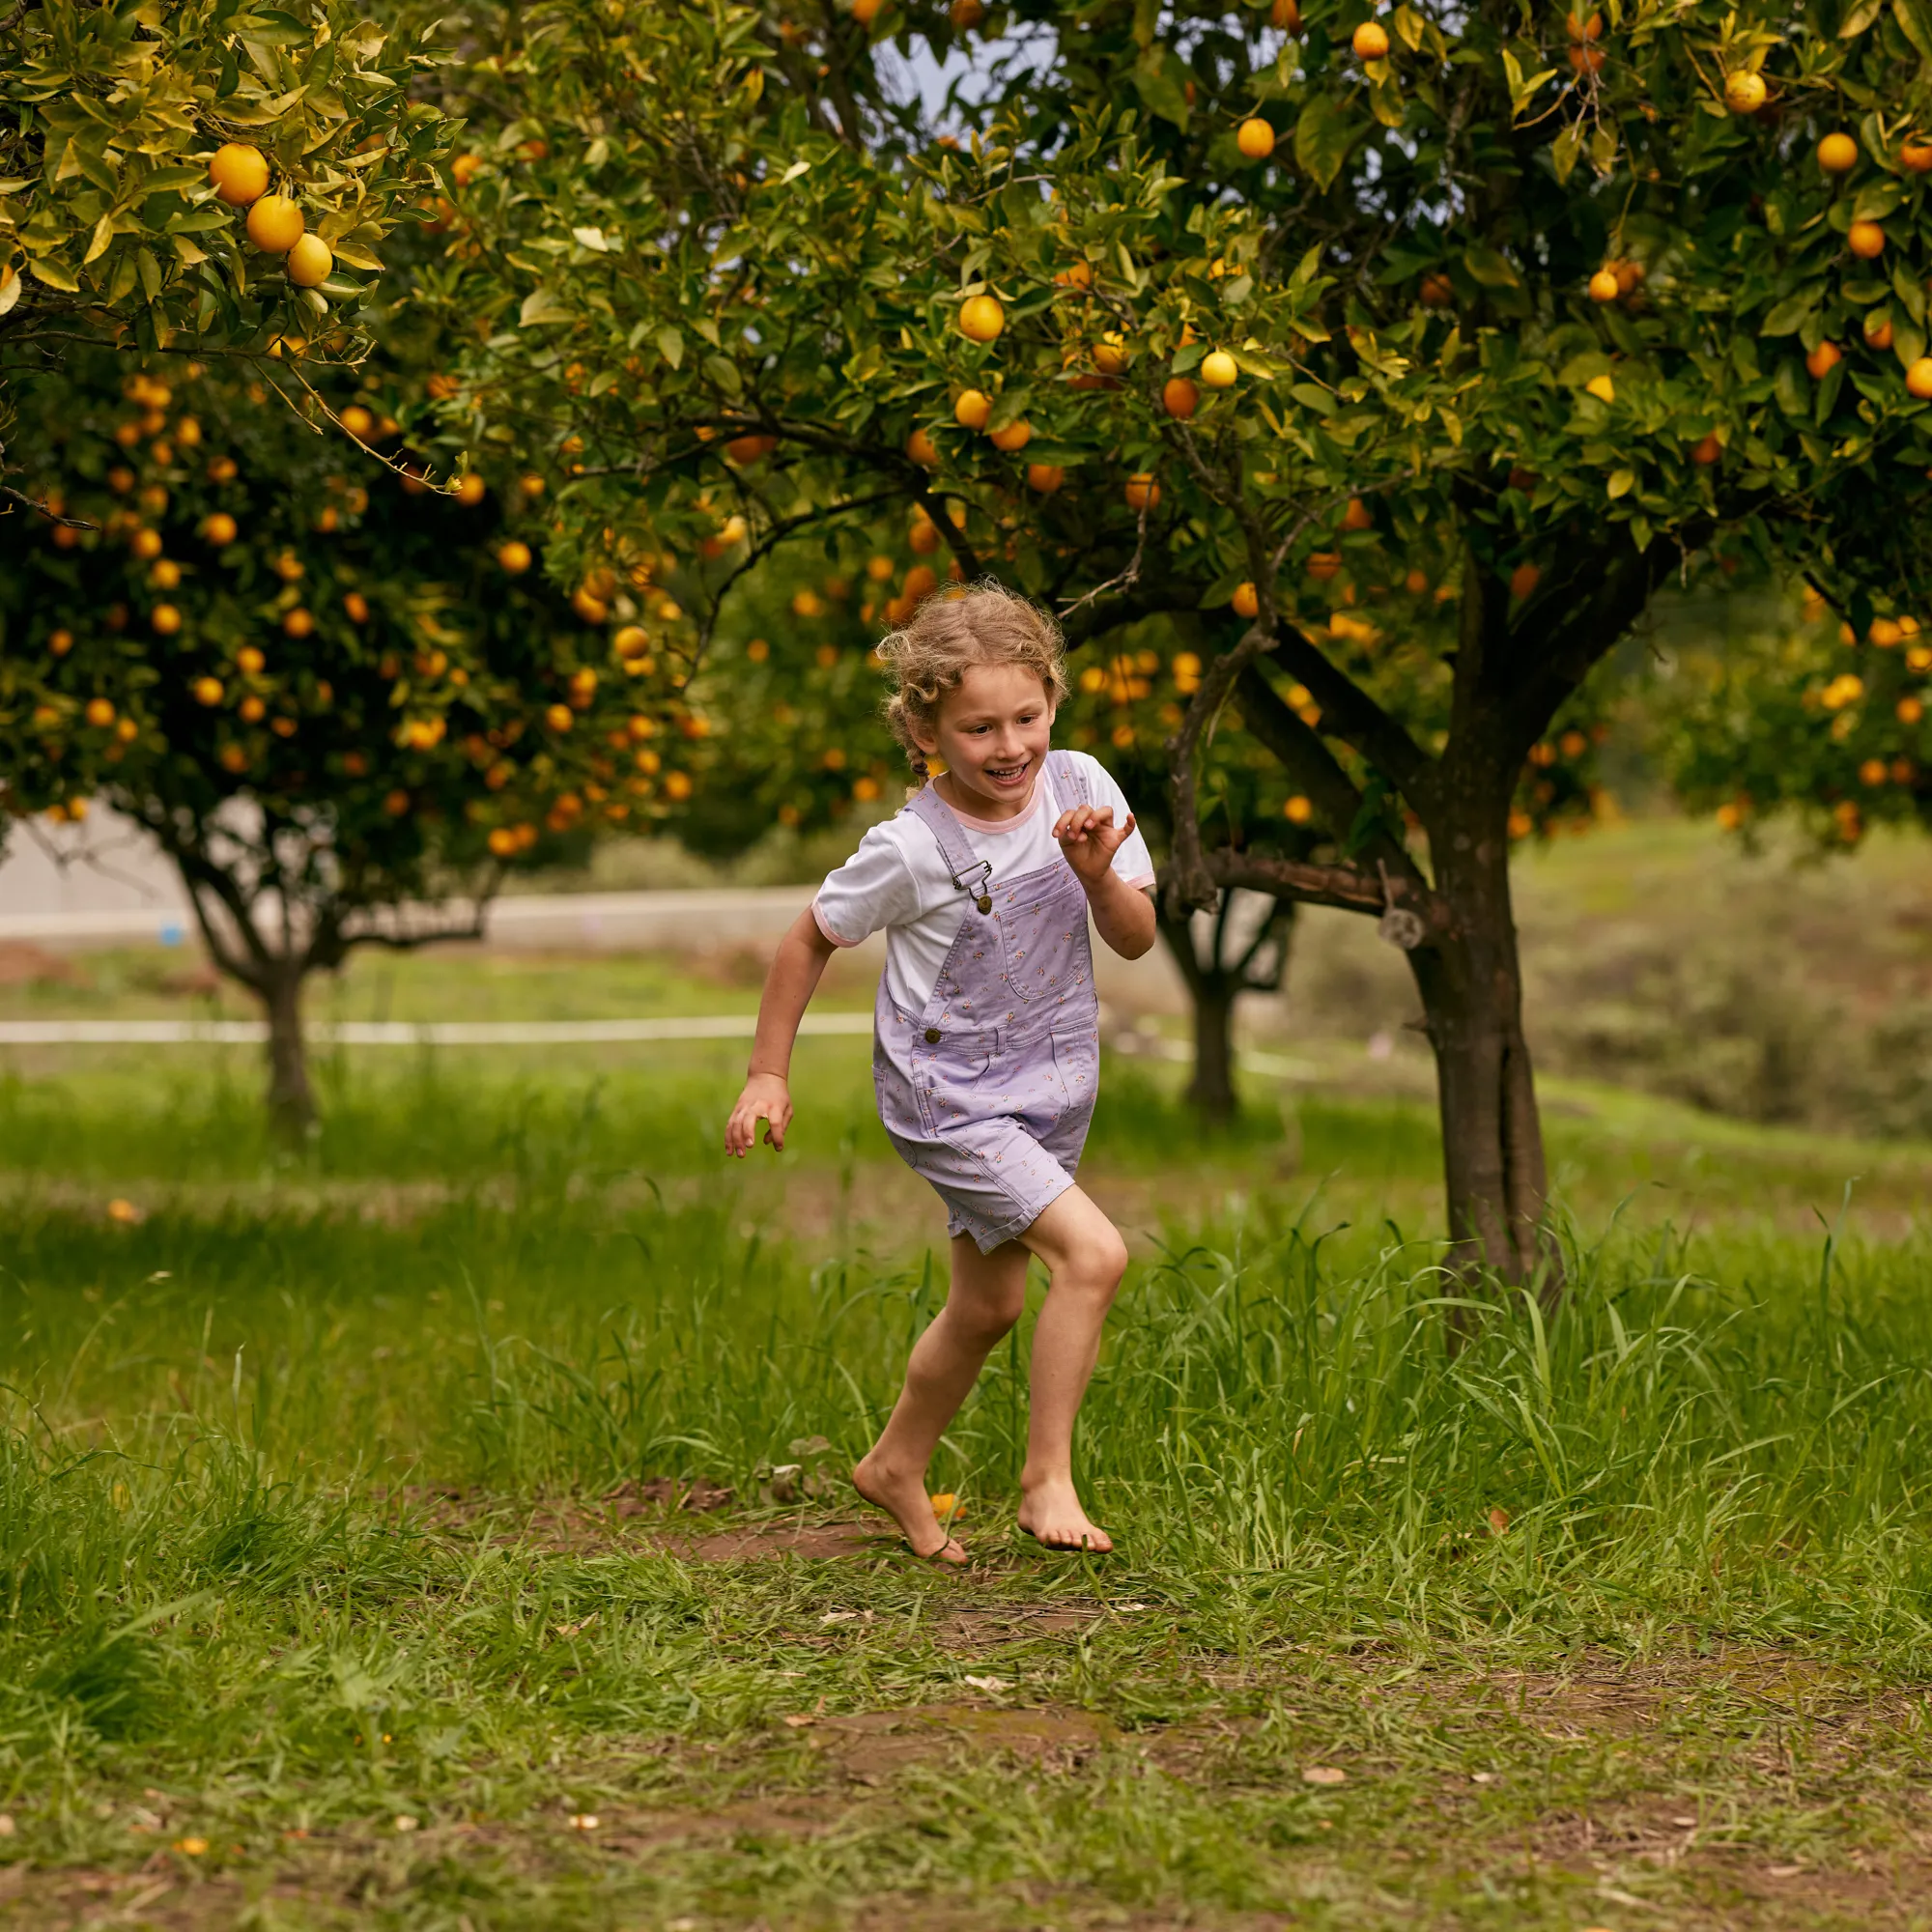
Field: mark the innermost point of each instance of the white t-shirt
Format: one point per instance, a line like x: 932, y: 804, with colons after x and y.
x: 899, y: 881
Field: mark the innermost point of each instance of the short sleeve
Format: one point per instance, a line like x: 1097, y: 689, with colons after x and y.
x: 872, y: 890
x: 1133, y: 863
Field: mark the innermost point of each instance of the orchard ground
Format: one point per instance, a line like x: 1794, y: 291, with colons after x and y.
x: 374, y: 1522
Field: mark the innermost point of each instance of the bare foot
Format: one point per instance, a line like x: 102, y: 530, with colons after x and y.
x: 905, y: 1499
x: 1050, y: 1512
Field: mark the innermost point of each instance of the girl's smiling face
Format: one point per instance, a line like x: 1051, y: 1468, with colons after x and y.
x: 992, y: 731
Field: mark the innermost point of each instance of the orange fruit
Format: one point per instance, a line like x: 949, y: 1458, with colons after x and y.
x: 249, y: 660
x: 1604, y: 286
x: 1865, y: 239
x: 1369, y: 43
x: 239, y: 173
x: 1837, y: 153
x: 1044, y: 477
x: 1246, y: 602
x: 356, y: 608
x: 1219, y: 370
x: 1708, y: 451
x: 1075, y: 275
x: 206, y: 690
x: 1918, y: 379
x: 1602, y: 387
x: 966, y: 14
x: 1437, y: 290
x: 274, y: 224
x: 1143, y: 491
x: 1014, y: 437
x: 1744, y: 91
x: 740, y: 449
x: 310, y: 262
x: 1357, y: 516
x: 299, y: 623
x: 1878, y: 334
x: 1322, y: 564
x: 146, y: 544
x: 1299, y: 811
x: 1579, y: 29
x: 972, y: 409
x: 470, y: 489
x: 1523, y: 579
x: 515, y: 556
x: 219, y: 529
x: 358, y: 421
x: 1110, y: 355
x: 1587, y: 60
x: 1286, y: 15
x: 922, y: 450
x: 99, y: 713
x: 863, y: 10
x: 1823, y: 360
x: 1180, y: 398
x: 1255, y: 138
x: 982, y: 319
x: 1914, y: 156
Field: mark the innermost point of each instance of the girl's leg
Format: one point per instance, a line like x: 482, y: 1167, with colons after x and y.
x: 1086, y: 1257
x: 987, y: 1294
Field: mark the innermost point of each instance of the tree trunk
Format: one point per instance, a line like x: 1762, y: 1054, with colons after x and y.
x: 1471, y: 986
x: 291, y: 1102
x: 1212, y: 1090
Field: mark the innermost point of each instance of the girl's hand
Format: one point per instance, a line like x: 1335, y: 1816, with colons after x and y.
x: 1090, y: 838
x: 766, y: 1097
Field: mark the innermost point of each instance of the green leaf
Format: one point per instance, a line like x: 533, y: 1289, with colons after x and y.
x: 1788, y: 317
x: 1622, y: 482
x: 1158, y: 81
x: 1906, y: 287
x: 1911, y: 24
x: 55, y: 276
x: 1864, y: 13
x: 1908, y: 343
x: 1492, y: 268
x: 540, y: 305
x: 1876, y: 199
x: 1566, y: 150
x: 725, y: 373
x: 1322, y: 138
x: 670, y: 346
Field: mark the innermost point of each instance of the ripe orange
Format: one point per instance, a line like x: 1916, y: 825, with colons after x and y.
x: 1823, y: 360
x: 1587, y: 60
x: 358, y: 421
x: 1255, y: 138
x: 1286, y: 15
x: 1246, y: 601
x: 592, y: 610
x: 924, y: 536
x: 1322, y: 564
x: 1143, y: 491
x: 502, y: 841
x: 741, y: 449
x: 61, y: 643
x: 1075, y: 275
x: 165, y: 574
x: 966, y: 14
x: 206, y: 690
x: 356, y: 606
x: 1837, y: 153
x: 1865, y: 239
x: 99, y: 713
x: 515, y: 556
x: 1416, y: 582
x: 863, y: 10
x: 1044, y: 477
x: 1914, y: 156
x: 299, y: 623
x: 223, y: 470
x: 274, y: 224
x: 1604, y: 286
x: 560, y: 717
x: 251, y: 711
x: 1357, y: 516
x: 146, y: 544
x: 1708, y: 451
x: 310, y: 262
x: 1180, y: 398
x: 1918, y: 379
x: 1219, y: 370
x: 972, y: 409
x: 239, y: 173
x: 982, y: 319
x: 1369, y: 43
x: 1014, y: 437
x: 1299, y: 811
x: 1581, y: 29
x: 1110, y: 355
x: 249, y: 660
x: 1437, y: 290
x: 631, y: 642
x: 1744, y: 92
x: 1878, y: 331
x: 470, y: 489
x: 1602, y: 387
x: 1523, y: 579
x: 922, y: 450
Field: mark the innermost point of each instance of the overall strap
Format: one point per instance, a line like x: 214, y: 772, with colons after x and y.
x: 973, y: 876
x: 1068, y: 777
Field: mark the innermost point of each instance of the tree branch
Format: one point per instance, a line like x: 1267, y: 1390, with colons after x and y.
x: 1348, y: 888
x: 1355, y: 717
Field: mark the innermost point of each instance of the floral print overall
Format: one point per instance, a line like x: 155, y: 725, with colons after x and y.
x: 989, y: 1091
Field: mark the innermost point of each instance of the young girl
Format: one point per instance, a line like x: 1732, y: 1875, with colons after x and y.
x: 985, y: 1050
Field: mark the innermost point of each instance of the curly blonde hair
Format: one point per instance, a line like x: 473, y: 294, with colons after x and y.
x: 949, y: 634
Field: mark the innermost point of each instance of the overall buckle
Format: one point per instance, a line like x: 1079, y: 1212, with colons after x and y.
x: 980, y: 895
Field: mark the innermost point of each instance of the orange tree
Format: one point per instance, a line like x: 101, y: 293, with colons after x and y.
x: 1431, y: 344
x: 201, y: 173
x: 343, y: 701
x: 1785, y: 707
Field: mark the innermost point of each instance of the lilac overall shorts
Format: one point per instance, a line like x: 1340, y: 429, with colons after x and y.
x: 989, y: 1091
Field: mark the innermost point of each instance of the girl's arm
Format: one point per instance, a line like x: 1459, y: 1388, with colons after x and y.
x: 796, y: 970
x: 1123, y: 913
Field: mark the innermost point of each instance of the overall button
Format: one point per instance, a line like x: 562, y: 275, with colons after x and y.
x: 933, y: 1035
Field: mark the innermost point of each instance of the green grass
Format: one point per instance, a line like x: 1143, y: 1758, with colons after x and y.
x: 301, y: 1528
